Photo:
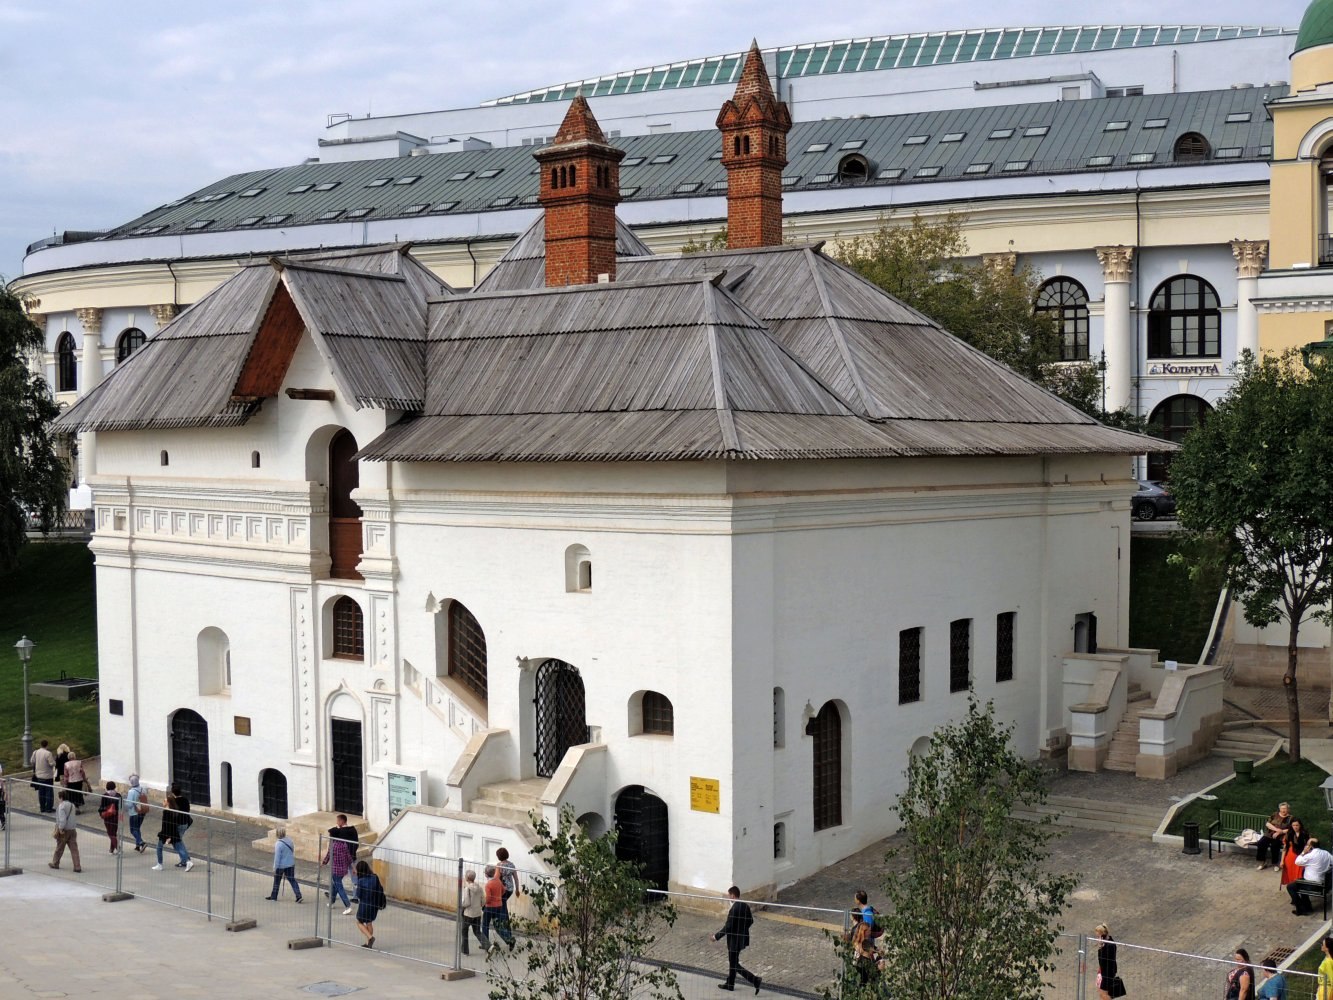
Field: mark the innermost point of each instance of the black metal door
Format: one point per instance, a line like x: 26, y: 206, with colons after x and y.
x: 189, y: 756
x: 273, y: 793
x: 347, y: 768
x: 641, y: 825
x: 560, y: 714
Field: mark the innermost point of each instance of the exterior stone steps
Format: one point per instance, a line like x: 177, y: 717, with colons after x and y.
x: 511, y: 801
x: 1245, y: 744
x: 306, y: 830
x: 1092, y: 814
x: 1124, y: 747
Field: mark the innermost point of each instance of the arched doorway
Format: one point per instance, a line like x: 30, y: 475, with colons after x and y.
x: 1172, y: 419
x: 561, y: 723
x: 826, y: 728
x: 641, y: 834
x: 273, y: 793
x: 344, y: 512
x: 189, y: 755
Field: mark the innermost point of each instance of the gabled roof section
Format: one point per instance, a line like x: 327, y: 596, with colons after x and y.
x: 524, y: 264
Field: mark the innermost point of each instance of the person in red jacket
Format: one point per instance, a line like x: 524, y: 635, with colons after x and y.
x: 493, y: 912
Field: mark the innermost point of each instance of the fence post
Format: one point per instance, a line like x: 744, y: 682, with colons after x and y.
x: 235, y: 863
x: 8, y: 790
x: 459, y: 928
x: 120, y: 846
x: 208, y: 867
x: 1081, y: 988
x: 329, y: 888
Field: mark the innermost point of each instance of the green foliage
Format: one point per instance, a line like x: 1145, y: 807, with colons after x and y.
x: 1280, y: 780
x: 593, y: 918
x: 33, y: 479
x: 973, y: 909
x: 1257, y: 476
x: 718, y: 241
x: 1173, y: 591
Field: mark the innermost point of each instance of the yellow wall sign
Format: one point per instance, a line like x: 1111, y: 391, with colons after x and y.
x: 705, y: 795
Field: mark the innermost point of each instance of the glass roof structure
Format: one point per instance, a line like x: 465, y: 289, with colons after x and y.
x: 890, y: 52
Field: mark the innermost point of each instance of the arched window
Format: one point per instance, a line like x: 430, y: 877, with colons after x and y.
x: 164, y: 458
x: 1184, y: 319
x: 273, y: 793
x: 853, y: 169
x: 573, y: 175
x: 658, y: 715
x: 826, y: 728
x: 1326, y: 212
x: 1172, y: 419
x: 67, y: 377
x: 1191, y: 147
x: 344, y: 512
x: 578, y: 569
x: 467, y: 650
x: 555, y: 177
x: 779, y: 718
x: 736, y: 146
x: 349, y: 631
x: 1065, y: 301
x: 214, y: 658
x: 254, y: 459
x: 129, y: 342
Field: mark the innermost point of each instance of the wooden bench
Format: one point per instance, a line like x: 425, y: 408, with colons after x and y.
x: 1310, y: 889
x: 1230, y: 824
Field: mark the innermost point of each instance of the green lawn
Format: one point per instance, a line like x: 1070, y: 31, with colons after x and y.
x: 1277, y: 781
x: 50, y: 599
x: 1167, y: 610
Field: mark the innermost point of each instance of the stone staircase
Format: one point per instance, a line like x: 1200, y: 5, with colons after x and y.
x: 306, y: 830
x: 1245, y: 744
x: 510, y: 801
x: 1124, y: 748
x: 1096, y: 814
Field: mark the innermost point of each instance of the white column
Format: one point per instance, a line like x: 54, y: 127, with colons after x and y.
x: 1117, y: 330
x: 1250, y: 255
x: 90, y: 376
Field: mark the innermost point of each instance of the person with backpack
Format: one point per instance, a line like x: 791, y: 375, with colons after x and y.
x: 109, y: 810
x: 175, y: 821
x: 371, y: 898
x: 737, y: 932
x: 136, y: 804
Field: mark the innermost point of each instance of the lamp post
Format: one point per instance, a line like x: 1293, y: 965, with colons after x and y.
x: 24, y: 646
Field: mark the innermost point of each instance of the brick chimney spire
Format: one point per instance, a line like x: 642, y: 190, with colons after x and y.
x: 754, y: 126
x: 580, y: 188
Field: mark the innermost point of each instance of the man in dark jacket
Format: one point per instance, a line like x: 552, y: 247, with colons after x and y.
x: 737, y: 932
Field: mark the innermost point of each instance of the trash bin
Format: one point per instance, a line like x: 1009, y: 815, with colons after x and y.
x: 1191, y: 837
x: 1244, y: 770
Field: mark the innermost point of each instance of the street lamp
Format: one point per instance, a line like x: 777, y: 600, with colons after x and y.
x: 24, y: 646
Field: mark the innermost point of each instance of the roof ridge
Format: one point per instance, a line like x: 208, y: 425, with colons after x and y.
x: 286, y: 264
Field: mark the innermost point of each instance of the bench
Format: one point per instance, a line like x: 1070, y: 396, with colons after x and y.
x: 1230, y: 824
x: 1310, y: 889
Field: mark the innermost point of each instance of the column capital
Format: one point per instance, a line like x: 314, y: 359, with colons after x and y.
x: 38, y: 318
x: 163, y: 313
x: 1250, y: 256
x: 90, y: 320
x: 1116, y: 263
x: 1000, y: 263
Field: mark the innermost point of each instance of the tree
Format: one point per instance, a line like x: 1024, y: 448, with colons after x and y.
x: 593, y: 919
x: 925, y: 265
x: 33, y: 479
x: 1257, y: 477
x: 973, y: 913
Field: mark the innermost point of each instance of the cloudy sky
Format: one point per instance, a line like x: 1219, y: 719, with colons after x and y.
x: 110, y: 109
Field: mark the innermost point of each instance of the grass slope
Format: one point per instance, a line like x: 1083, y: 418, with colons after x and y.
x: 49, y: 598
x: 1167, y: 610
x: 1277, y: 781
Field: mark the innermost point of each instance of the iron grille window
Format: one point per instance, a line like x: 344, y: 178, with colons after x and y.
x: 828, y: 767
x: 67, y: 379
x: 1065, y: 301
x: 1004, y: 646
x: 1184, y: 320
x: 349, y: 636
x: 960, y: 654
x: 467, y: 650
x: 909, y: 665
x: 658, y: 716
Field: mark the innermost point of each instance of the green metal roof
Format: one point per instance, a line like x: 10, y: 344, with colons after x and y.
x: 901, y: 52
x: 1316, y: 26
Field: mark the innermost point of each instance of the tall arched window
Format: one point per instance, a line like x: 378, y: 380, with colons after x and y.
x: 1065, y: 301
x: 349, y: 630
x: 1191, y: 147
x: 826, y: 727
x: 129, y: 342
x: 467, y: 650
x: 1172, y: 419
x: 214, y: 658
x: 344, y: 512
x: 67, y: 371
x: 1184, y: 319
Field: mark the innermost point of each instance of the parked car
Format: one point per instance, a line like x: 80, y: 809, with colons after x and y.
x: 1153, y: 500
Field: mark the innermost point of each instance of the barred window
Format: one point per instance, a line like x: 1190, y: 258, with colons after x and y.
x: 960, y: 654
x: 467, y: 650
x: 1004, y: 646
x: 658, y: 716
x: 826, y: 728
x: 349, y: 637
x: 909, y: 665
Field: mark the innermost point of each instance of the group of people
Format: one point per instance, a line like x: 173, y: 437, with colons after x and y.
x: 1296, y: 854
x: 112, y: 807
x: 64, y: 766
x: 487, y: 907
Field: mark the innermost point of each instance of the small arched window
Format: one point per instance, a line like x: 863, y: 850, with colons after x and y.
x: 213, y: 649
x: 67, y: 377
x: 1184, y: 319
x: 164, y: 458
x: 1191, y: 147
x: 555, y: 177
x: 853, y: 169
x: 1065, y: 301
x: 573, y: 175
x: 658, y: 715
x: 349, y: 634
x: 578, y: 569
x: 254, y: 459
x: 745, y: 144
x: 467, y: 650
x: 129, y: 342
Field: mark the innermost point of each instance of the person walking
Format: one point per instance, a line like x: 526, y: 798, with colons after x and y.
x: 473, y: 899
x: 136, y: 805
x: 66, y: 832
x: 74, y: 779
x: 371, y: 898
x: 1240, y: 980
x: 175, y: 821
x: 493, y: 912
x: 737, y: 932
x: 1109, y: 983
x: 110, y: 813
x: 284, y: 865
x: 339, y: 859
x: 44, y: 777
x: 1325, y: 979
x: 1274, y: 986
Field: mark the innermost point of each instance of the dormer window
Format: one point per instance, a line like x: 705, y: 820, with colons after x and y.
x: 1191, y: 147
x: 853, y: 169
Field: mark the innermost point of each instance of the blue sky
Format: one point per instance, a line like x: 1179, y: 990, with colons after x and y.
x: 114, y: 108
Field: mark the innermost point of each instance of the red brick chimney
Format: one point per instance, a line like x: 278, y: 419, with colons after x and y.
x: 580, y: 188
x: 754, y: 126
